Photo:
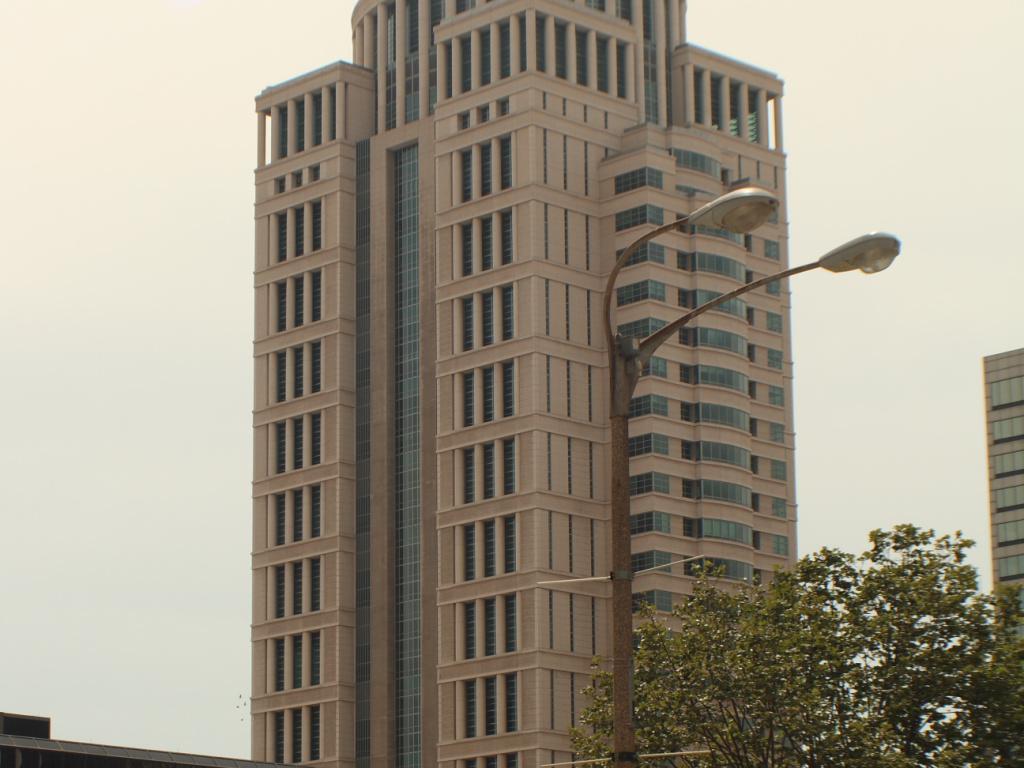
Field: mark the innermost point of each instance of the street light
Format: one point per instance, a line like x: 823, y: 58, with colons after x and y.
x: 740, y: 211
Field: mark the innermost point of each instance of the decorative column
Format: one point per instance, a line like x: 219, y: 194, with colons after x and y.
x: 531, y: 40
x: 307, y: 132
x: 357, y: 44
x: 613, y: 67
x: 401, y: 46
x: 549, y: 44
x: 442, y: 72
x: 476, y: 60
x: 592, y: 59
x: 382, y: 65
x: 741, y: 118
x: 723, y: 103
x: 514, y: 43
x: 777, y: 101
x: 292, y: 138
x: 570, y: 52
x: 457, y: 43
x: 261, y: 139
x: 762, y: 118
x: 705, y: 77
x: 659, y: 55
x: 689, y: 90
x: 325, y: 113
x: 496, y: 47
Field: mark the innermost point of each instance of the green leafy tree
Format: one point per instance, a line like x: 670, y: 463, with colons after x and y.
x: 890, y: 660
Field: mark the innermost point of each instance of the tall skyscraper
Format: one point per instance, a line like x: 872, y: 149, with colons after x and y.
x: 1004, y: 416
x: 434, y: 226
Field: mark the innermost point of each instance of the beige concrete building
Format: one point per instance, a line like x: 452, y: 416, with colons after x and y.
x: 434, y: 225
x: 1004, y: 415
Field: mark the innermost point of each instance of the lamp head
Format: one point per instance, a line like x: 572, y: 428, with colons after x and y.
x: 740, y: 211
x: 869, y: 253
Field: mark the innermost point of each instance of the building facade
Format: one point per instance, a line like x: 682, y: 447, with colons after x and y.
x: 1004, y: 416
x: 434, y: 226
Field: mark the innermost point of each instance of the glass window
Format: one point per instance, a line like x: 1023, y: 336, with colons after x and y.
x: 1009, y: 498
x: 649, y: 482
x: 776, y: 432
x: 1009, y: 463
x: 647, y: 252
x: 1010, y: 533
x: 650, y: 442
x: 641, y: 329
x: 1008, y: 429
x: 640, y: 177
x: 659, y: 599
x: 778, y: 469
x: 774, y: 357
x: 773, y: 322
x: 771, y: 249
x: 645, y: 289
x: 778, y: 507
x: 1010, y: 567
x: 1007, y: 392
x: 646, y: 405
x: 712, y: 528
x: 642, y: 214
x: 650, y: 521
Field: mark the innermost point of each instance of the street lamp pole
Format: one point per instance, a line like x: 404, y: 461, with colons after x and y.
x: 741, y: 211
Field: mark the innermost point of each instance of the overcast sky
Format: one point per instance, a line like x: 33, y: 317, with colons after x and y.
x: 128, y: 143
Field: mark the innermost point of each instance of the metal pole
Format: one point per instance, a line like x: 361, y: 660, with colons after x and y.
x: 625, y: 363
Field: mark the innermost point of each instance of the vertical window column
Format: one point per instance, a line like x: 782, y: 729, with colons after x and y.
x: 613, y: 66
x: 307, y: 124
x: 477, y: 245
x: 741, y: 118
x: 290, y: 243
x: 291, y: 130
x: 496, y: 38
x: 591, y: 58
x: 476, y: 59
x: 570, y: 52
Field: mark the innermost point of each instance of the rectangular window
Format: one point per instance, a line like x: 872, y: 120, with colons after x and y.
x: 486, y: 243
x: 468, y: 406
x: 510, y: 623
x: 490, y: 706
x: 773, y: 322
x: 641, y: 214
x: 1007, y: 464
x: 511, y: 703
x: 778, y: 469
x: 281, y: 376
x: 774, y: 358
x: 282, y: 235
x: 469, y: 629
x: 300, y: 230
x: 1007, y: 392
x: 282, y: 305
x: 297, y: 443
x: 469, y: 551
x: 280, y: 449
x: 468, y: 475
x: 467, y: 175
x: 316, y: 310
x: 488, y: 392
x: 505, y: 147
x: 467, y: 323
x: 279, y: 737
x: 507, y: 316
x: 298, y: 382
x: 296, y: 661
x: 314, y: 586
x: 317, y: 223
x: 490, y: 626
x: 487, y: 318
x: 490, y: 548
x: 466, y: 229
x: 314, y: 732
x: 278, y: 591
x: 1005, y: 430
x: 485, y: 56
x: 485, y: 169
x: 297, y: 514
x: 509, y: 535
x: 771, y: 249
x: 314, y: 439
x: 776, y: 395
x: 506, y: 236
x: 296, y: 588
x: 508, y: 383
x: 299, y: 288
x: 279, y: 519
x: 315, y: 365
x: 505, y: 49
x: 279, y: 664
x: 488, y: 452
x: 315, y: 511
x: 469, y: 696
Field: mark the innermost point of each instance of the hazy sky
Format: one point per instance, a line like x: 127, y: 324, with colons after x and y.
x: 128, y: 142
